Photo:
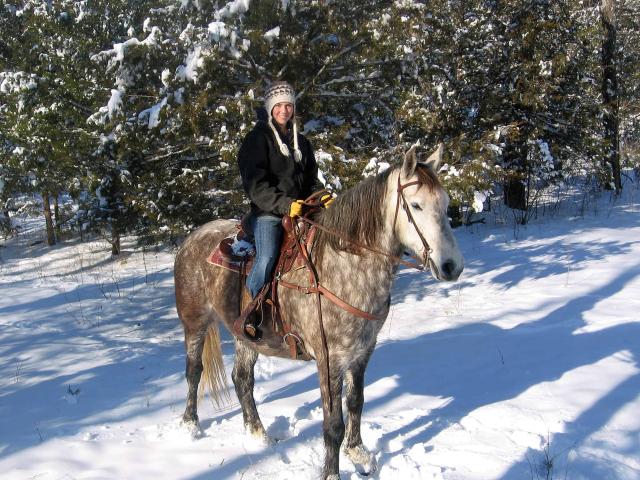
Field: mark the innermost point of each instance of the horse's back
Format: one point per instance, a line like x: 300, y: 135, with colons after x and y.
x: 196, y: 281
x: 207, y: 236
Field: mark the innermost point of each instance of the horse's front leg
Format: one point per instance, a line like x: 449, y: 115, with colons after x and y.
x: 353, y: 446
x: 333, y: 424
x: 243, y: 381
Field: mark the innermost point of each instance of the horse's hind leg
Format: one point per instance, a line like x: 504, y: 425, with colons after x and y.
x: 194, y: 337
x: 243, y: 381
x: 353, y: 447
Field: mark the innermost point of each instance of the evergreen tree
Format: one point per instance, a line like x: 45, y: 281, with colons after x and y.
x: 137, y: 109
x: 610, y: 92
x: 629, y: 76
x: 42, y: 90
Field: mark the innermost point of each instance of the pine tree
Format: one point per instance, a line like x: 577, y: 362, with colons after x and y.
x: 629, y: 85
x: 610, y: 93
x: 44, y: 115
x: 137, y: 109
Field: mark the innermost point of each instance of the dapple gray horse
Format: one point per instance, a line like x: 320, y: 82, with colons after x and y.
x: 401, y: 209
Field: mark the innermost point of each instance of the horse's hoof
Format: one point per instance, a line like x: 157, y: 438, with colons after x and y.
x: 261, y: 436
x: 362, y: 458
x: 335, y: 476
x: 193, y: 427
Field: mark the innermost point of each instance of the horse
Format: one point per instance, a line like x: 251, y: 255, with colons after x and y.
x: 403, y: 209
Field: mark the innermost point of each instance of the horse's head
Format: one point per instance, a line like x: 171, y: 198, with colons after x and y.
x: 421, y: 223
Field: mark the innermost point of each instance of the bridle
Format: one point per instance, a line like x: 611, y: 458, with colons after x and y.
x: 418, y: 263
x: 427, y: 249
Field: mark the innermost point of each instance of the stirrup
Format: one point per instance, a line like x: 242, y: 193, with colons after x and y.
x: 251, y: 331
x: 247, y: 325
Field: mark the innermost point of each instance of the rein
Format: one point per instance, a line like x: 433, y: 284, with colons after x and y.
x: 319, y: 290
x: 420, y: 264
x: 344, y: 237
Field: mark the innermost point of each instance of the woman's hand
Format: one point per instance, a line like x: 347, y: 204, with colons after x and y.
x: 295, y: 210
x: 326, y: 199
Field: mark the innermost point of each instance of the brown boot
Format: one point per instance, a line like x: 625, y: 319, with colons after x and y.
x: 248, y: 323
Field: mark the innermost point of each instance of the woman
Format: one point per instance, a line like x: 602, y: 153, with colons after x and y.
x: 278, y: 169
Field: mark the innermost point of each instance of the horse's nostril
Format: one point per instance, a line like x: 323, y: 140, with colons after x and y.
x: 448, y: 268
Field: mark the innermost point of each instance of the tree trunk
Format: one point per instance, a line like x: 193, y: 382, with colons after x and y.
x: 610, y: 102
x: 56, y: 215
x: 115, y: 241
x: 51, y: 236
x: 5, y: 222
x: 515, y: 194
x: 515, y: 159
x: 454, y: 212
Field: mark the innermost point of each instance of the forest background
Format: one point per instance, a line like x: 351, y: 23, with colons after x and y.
x: 125, y: 117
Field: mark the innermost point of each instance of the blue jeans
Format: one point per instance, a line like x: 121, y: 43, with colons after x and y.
x: 267, y: 231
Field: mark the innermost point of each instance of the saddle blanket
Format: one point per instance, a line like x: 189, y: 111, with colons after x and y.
x: 235, y: 253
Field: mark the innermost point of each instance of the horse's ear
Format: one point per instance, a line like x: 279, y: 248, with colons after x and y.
x: 410, y: 162
x: 435, y: 159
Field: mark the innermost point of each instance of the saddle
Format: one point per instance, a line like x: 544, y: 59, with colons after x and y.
x: 237, y: 253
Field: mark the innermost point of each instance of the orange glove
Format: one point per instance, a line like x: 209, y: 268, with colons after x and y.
x: 295, y: 210
x: 326, y: 199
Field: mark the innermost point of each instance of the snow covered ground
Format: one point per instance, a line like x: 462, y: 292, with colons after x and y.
x: 528, y: 363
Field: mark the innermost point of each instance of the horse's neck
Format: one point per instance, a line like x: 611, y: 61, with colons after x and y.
x: 368, y: 273
x: 363, y: 281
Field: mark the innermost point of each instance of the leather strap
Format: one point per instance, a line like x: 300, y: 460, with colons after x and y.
x: 407, y: 209
x: 344, y: 237
x: 320, y: 289
x: 322, y: 357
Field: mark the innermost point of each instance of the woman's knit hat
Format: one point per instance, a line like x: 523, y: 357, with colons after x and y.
x: 282, y: 92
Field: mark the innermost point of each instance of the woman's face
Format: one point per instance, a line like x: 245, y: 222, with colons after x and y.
x: 282, y: 113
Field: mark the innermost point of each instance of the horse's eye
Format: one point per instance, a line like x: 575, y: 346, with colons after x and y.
x: 415, y: 206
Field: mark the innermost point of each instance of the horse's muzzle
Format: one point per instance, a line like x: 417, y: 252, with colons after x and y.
x: 448, y: 271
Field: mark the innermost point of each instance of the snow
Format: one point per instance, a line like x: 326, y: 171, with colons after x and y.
x: 115, y: 102
x: 218, y: 30
x: 152, y: 115
x: 194, y: 61
x: 165, y: 76
x: 119, y: 50
x: 311, y: 126
x: 546, y: 68
x: 547, y: 158
x: 14, y: 82
x: 478, y: 201
x: 178, y: 95
x: 102, y: 200
x: 375, y: 167
x: 495, y: 148
x: 322, y: 157
x: 233, y: 8
x: 533, y: 353
x: 272, y: 34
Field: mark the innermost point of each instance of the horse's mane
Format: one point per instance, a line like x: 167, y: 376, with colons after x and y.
x: 358, y: 212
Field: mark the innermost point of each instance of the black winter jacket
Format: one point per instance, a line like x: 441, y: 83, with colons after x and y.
x: 272, y: 180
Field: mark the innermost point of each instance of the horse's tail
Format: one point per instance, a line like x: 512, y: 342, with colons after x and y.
x: 214, y: 377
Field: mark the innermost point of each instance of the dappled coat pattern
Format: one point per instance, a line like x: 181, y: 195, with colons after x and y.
x: 207, y: 296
